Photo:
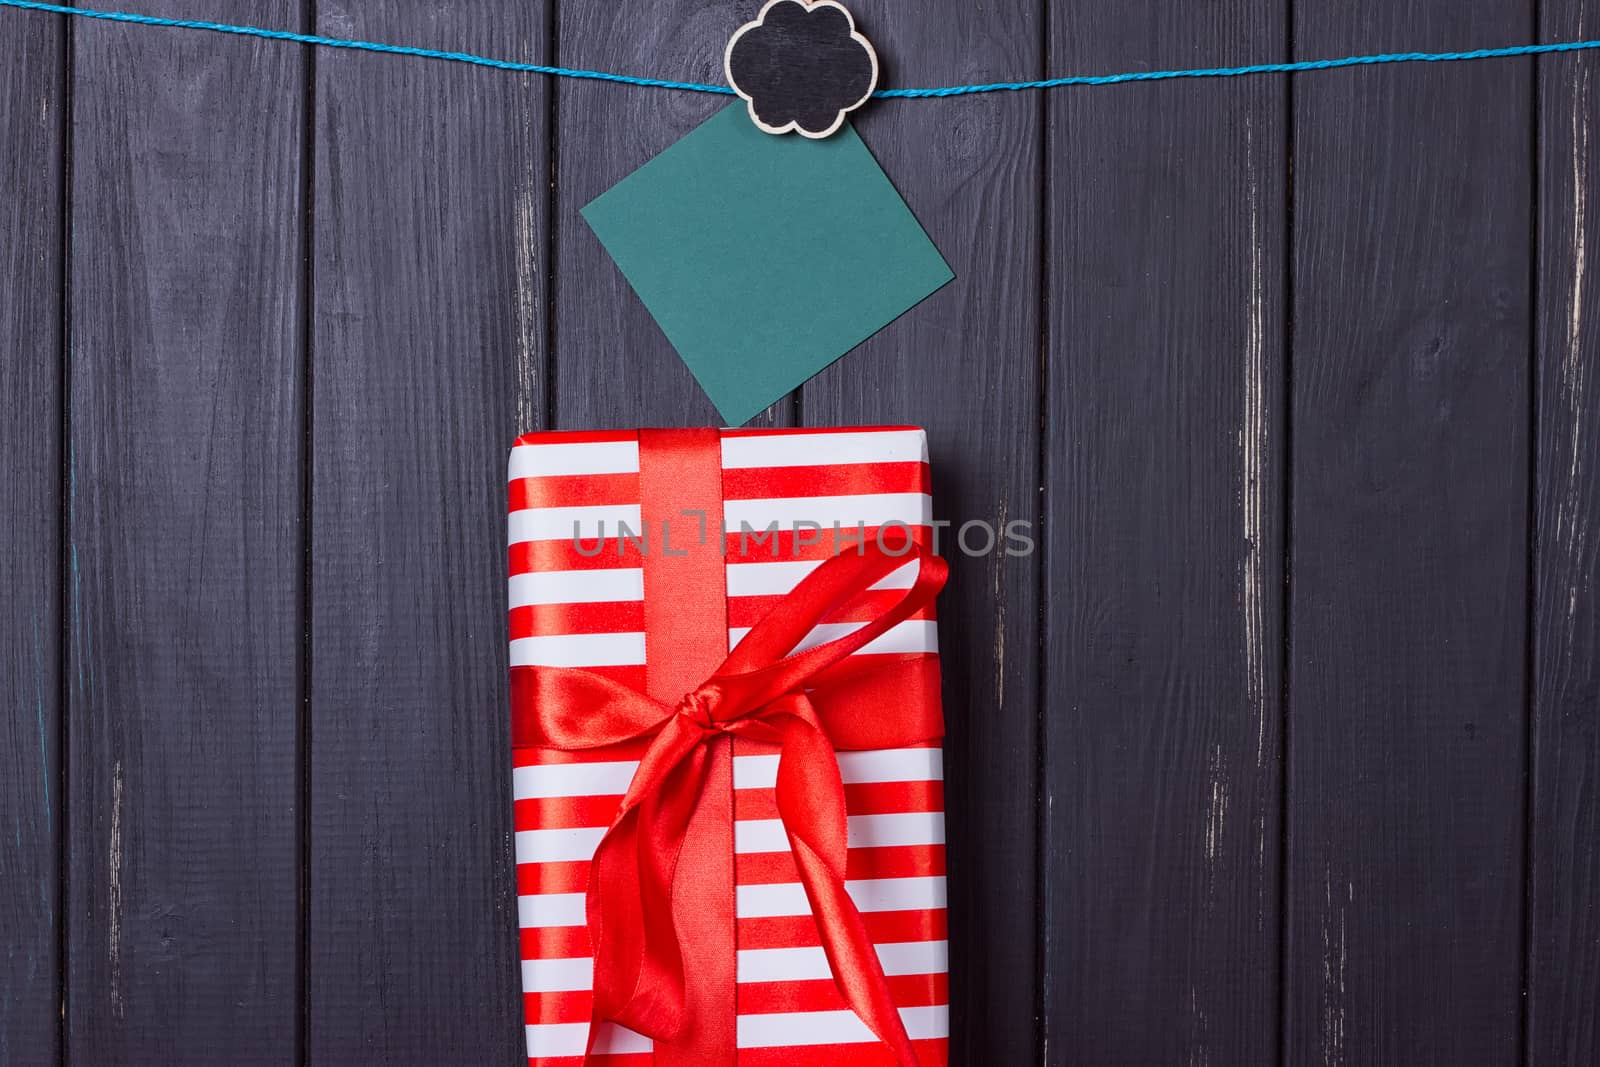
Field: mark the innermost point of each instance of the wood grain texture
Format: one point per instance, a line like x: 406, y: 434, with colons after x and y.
x: 428, y: 347
x: 964, y: 365
x: 1164, y: 484
x: 32, y: 99
x: 1564, y: 883
x: 1410, y: 416
x: 185, y: 542
x: 612, y: 366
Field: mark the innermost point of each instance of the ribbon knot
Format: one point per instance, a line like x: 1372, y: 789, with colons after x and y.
x: 697, y: 706
x: 811, y: 704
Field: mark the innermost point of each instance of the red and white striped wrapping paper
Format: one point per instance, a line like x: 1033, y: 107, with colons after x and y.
x: 572, y: 609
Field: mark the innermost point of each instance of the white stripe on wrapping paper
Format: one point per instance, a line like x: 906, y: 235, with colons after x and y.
x: 558, y: 846
x: 867, y: 509
x: 572, y: 780
x: 592, y: 457
x: 758, y: 901
x: 808, y: 964
x: 855, y: 768
x: 899, y: 829
x: 589, y: 521
x: 623, y: 584
x: 611, y: 779
x: 895, y: 894
x: 870, y: 894
x: 577, y: 587
x: 579, y: 650
x: 785, y: 1028
x: 627, y: 649
x: 913, y: 635
x: 754, y: 965
x: 585, y: 523
x: 571, y: 1039
x: 891, y: 765
x: 540, y: 910
x: 561, y: 976
x: 824, y: 449
x: 777, y: 579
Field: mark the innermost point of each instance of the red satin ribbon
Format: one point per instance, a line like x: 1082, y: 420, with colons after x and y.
x: 765, y: 693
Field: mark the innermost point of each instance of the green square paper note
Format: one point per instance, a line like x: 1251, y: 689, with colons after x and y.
x: 765, y: 258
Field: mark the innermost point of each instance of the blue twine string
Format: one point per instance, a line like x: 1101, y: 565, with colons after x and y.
x: 701, y: 87
x: 1234, y: 72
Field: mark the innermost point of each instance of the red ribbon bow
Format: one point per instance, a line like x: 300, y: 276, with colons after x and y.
x: 759, y: 692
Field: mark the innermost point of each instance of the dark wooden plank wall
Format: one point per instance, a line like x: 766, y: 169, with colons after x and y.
x: 32, y: 129
x: 1280, y: 748
x: 183, y: 534
x: 428, y: 268
x: 1563, y: 947
x: 1164, y: 484
x: 1409, y: 414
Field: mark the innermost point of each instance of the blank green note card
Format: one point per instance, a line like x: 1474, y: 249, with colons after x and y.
x: 765, y: 258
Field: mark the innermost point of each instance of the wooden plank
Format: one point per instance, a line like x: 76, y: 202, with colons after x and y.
x: 32, y: 99
x: 612, y: 365
x: 1564, y: 882
x: 964, y: 365
x: 1410, y: 416
x: 428, y: 350
x: 185, y: 541
x: 1164, y: 483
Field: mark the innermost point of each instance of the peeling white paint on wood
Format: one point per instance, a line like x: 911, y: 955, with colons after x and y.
x: 114, y: 891
x: 1216, y: 808
x: 1253, y: 444
x: 1252, y: 461
x: 1335, y: 957
x: 529, y: 297
x: 1571, y: 521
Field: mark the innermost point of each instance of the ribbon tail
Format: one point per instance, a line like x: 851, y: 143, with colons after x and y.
x: 659, y: 1004
x: 639, y: 979
x: 811, y: 802
x: 857, y: 971
x: 616, y: 919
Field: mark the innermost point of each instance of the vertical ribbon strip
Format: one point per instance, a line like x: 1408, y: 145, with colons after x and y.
x: 685, y: 638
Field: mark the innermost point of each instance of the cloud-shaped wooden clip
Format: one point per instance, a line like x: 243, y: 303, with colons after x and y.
x: 801, y: 67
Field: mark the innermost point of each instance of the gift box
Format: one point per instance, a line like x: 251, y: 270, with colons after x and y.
x: 727, y: 776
